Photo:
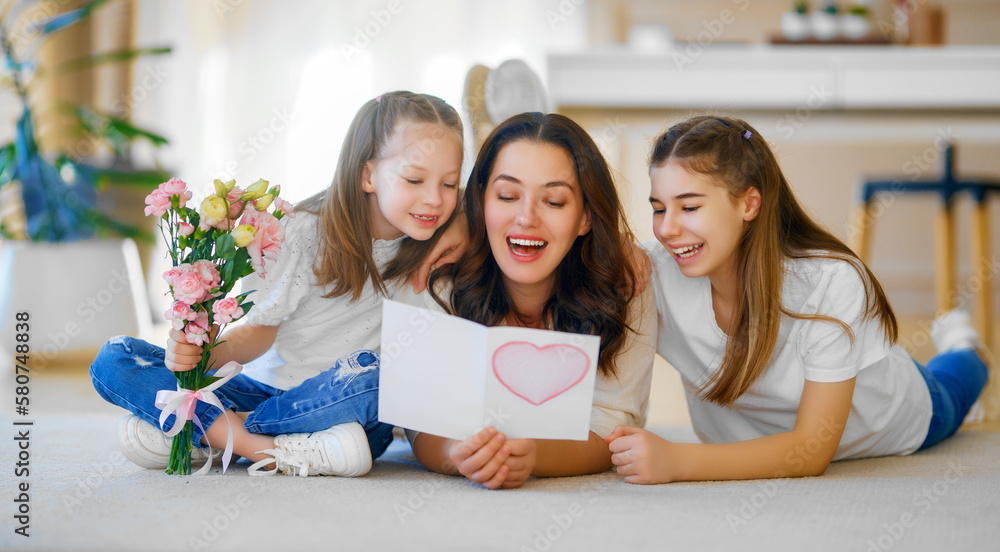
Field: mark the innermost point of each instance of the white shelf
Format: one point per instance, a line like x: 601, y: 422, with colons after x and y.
x: 780, y: 77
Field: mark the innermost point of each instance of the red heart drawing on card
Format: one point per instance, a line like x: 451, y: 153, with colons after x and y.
x: 538, y: 374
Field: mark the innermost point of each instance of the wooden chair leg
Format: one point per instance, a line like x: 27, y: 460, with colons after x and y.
x: 944, y: 257
x: 861, y: 225
x: 982, y: 267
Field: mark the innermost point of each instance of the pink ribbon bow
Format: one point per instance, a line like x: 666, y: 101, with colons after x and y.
x: 182, y: 403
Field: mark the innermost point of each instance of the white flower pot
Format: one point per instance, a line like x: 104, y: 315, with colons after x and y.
x: 795, y: 26
x: 854, y: 26
x: 77, y: 295
x: 824, y: 25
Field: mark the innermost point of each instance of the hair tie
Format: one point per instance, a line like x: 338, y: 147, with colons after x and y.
x: 747, y: 135
x: 378, y: 99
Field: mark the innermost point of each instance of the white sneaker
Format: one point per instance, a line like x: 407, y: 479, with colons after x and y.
x: 954, y: 330
x: 147, y: 446
x: 341, y: 450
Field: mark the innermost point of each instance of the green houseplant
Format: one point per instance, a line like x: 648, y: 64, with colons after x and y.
x: 73, y: 268
x: 59, y: 193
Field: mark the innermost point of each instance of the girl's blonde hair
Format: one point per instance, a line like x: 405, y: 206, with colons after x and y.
x: 735, y: 156
x: 345, y: 228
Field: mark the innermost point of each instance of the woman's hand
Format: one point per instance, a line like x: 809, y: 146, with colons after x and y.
x: 180, y: 355
x: 641, y: 456
x: 481, y: 458
x: 447, y: 250
x: 523, y: 455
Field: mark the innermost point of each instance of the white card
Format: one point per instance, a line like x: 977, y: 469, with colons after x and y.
x: 448, y: 376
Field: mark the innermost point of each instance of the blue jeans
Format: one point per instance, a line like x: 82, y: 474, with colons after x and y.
x: 955, y: 379
x: 128, y: 372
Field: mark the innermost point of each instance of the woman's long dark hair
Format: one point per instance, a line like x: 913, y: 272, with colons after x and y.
x: 594, y: 282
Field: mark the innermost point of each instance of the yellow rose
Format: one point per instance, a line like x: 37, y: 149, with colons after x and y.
x: 229, y: 185
x: 264, y: 202
x: 255, y: 190
x: 220, y: 188
x: 214, y: 209
x: 243, y: 235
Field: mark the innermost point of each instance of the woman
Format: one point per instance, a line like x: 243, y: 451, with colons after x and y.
x: 549, y: 249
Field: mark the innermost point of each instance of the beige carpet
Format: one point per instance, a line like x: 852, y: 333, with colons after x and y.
x: 84, y: 495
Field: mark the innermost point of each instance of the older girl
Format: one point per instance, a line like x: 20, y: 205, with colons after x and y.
x: 783, y: 337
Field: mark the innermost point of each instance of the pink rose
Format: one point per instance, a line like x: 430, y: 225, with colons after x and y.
x: 171, y: 275
x: 176, y: 187
x: 283, y: 206
x: 227, y: 310
x: 179, y: 314
x: 208, y: 273
x: 184, y: 229
x: 157, y: 203
x: 267, y: 240
x: 196, y: 332
x: 188, y: 288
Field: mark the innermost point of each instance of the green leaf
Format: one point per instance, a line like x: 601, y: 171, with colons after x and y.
x: 117, y: 132
x: 207, y: 380
x: 224, y: 246
x: 109, y: 57
x: 146, y: 180
x: 243, y: 295
x: 64, y: 20
x: 226, y: 273
x: 8, y: 166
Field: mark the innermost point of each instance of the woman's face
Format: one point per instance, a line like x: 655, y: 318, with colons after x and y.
x: 534, y: 211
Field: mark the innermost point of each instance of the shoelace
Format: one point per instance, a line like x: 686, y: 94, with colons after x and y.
x: 303, y: 454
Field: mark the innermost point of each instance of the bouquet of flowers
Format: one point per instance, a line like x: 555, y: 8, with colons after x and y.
x: 231, y: 236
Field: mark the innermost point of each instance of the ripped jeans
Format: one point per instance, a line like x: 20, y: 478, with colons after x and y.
x: 128, y: 372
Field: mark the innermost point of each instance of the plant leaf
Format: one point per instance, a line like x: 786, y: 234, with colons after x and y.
x: 24, y: 138
x: 224, y: 246
x: 117, y: 132
x: 139, y: 179
x: 207, y: 380
x: 64, y: 20
x: 8, y: 167
x: 109, y: 57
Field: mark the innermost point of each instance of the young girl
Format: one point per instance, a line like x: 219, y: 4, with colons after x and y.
x: 394, y: 189
x: 783, y: 337
x: 549, y: 249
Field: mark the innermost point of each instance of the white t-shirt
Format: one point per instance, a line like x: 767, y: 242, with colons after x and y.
x: 315, y: 331
x: 622, y: 399
x: 891, y: 409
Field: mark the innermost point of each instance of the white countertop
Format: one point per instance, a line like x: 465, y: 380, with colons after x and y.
x: 780, y: 77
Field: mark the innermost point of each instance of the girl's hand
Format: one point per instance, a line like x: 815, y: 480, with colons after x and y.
x: 181, y: 356
x: 523, y: 454
x: 481, y: 458
x: 447, y: 250
x: 641, y: 456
